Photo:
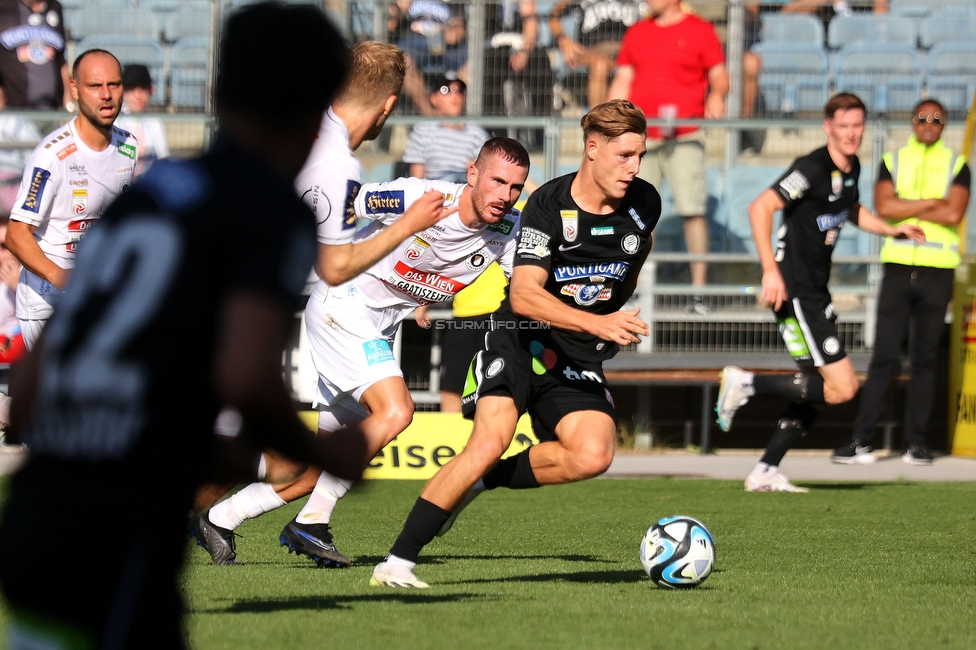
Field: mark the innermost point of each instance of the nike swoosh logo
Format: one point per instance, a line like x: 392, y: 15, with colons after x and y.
x: 564, y: 247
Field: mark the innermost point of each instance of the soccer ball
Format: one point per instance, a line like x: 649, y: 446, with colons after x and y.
x: 677, y: 552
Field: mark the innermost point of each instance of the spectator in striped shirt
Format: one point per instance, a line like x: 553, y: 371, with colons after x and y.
x: 444, y: 151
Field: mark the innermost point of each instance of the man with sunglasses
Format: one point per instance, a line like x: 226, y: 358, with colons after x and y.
x: 924, y: 183
x: 444, y: 151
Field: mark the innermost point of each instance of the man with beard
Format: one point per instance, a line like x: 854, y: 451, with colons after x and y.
x: 351, y: 327
x: 69, y: 180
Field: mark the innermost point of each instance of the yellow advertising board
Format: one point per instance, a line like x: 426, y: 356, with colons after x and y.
x: 962, y: 363
x: 428, y: 443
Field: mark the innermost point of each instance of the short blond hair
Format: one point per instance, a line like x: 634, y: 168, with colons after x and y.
x: 614, y: 118
x: 377, y: 72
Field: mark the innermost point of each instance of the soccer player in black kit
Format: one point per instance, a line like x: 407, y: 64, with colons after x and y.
x: 583, y: 239
x: 181, y: 302
x: 818, y: 195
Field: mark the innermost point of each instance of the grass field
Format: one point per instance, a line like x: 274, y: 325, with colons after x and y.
x: 850, y: 565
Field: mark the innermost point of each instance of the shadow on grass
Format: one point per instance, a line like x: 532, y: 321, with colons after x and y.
x: 371, y: 560
x: 583, y: 577
x: 870, y: 485
x: 269, y: 606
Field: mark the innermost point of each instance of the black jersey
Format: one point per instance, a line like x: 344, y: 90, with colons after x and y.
x: 127, y: 371
x: 592, y: 260
x: 819, y: 199
x: 604, y: 21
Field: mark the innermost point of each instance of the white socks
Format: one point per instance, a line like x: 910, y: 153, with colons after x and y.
x: 328, y: 490
x: 256, y: 499
x: 393, y: 560
x: 762, y: 470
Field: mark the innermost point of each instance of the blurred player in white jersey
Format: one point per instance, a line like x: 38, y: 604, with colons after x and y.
x: 330, y: 180
x: 69, y: 180
x: 350, y: 327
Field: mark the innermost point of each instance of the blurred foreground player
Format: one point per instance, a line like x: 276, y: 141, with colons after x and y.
x: 818, y: 195
x: 584, y: 238
x: 214, y: 253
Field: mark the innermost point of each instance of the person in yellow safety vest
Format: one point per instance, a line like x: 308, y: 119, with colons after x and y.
x: 924, y: 182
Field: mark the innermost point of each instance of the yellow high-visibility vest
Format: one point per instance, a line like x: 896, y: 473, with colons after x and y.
x: 924, y: 172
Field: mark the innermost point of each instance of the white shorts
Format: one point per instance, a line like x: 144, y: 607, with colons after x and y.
x: 349, y: 350
x: 31, y: 330
x: 36, y: 297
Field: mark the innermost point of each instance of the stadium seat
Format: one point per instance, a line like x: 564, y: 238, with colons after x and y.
x: 186, y: 23
x: 162, y: 6
x: 922, y: 8
x: 743, y: 184
x: 793, y: 29
x: 845, y: 31
x: 793, y: 77
x: 943, y: 29
x: 951, y: 74
x: 133, y: 49
x: 887, y: 77
x: 101, y: 20
x: 189, y: 66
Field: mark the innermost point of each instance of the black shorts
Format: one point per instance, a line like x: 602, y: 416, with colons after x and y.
x: 76, y: 553
x: 541, y: 379
x: 809, y: 329
x: 464, y: 338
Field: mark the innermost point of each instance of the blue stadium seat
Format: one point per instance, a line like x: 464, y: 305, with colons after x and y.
x: 186, y: 23
x: 887, y: 77
x: 944, y: 29
x: 859, y: 28
x: 121, y: 21
x: 793, y: 77
x: 922, y: 8
x: 743, y: 184
x: 793, y: 29
x: 189, y: 66
x: 951, y: 74
x: 133, y: 49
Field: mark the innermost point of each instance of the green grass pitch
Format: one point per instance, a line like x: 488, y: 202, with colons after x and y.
x: 850, y: 565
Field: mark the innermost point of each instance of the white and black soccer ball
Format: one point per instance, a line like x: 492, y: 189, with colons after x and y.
x: 677, y: 552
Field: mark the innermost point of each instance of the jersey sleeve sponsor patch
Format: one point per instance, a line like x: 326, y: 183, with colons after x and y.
x: 829, y: 221
x: 349, y: 212
x: 35, y: 193
x: 533, y: 244
x: 127, y: 150
x: 377, y: 351
x: 385, y: 202
x: 67, y: 151
x: 794, y: 185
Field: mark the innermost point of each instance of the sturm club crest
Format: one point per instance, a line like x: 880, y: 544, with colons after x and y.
x: 494, y: 368
x: 630, y: 243
x: 570, y: 220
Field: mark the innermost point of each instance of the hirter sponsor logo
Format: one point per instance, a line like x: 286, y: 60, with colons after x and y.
x: 384, y: 202
x: 35, y: 193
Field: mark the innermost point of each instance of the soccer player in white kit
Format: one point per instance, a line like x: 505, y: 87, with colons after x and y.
x: 70, y: 178
x: 350, y: 328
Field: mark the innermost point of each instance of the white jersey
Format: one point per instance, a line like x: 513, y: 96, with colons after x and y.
x: 65, y: 189
x: 150, y: 133
x: 434, y: 264
x: 330, y: 181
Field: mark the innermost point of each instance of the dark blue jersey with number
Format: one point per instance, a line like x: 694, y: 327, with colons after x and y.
x: 127, y: 369
x: 593, y: 260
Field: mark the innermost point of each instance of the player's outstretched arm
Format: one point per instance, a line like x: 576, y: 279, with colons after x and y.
x: 20, y: 241
x: 868, y: 222
x: 531, y: 300
x: 338, y: 264
x: 761, y: 213
x: 247, y: 373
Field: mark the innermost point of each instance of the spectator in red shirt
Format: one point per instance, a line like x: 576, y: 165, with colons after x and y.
x: 671, y: 65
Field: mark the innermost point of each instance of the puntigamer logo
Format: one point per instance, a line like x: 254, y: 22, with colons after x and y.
x: 127, y: 150
x: 385, y: 201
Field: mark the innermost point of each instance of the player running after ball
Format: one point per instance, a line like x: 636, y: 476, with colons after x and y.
x: 351, y: 327
x: 818, y: 195
x: 584, y: 238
